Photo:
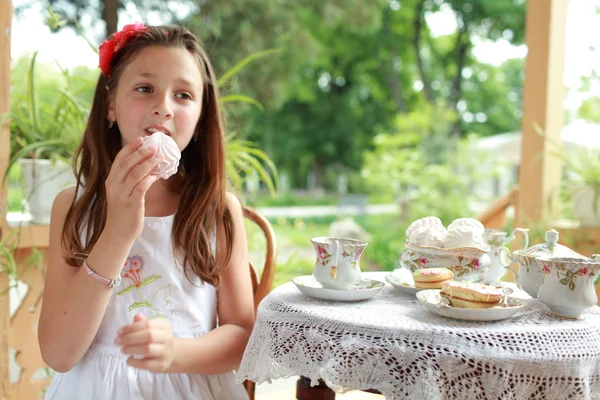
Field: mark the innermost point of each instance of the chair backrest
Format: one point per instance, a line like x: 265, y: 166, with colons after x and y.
x: 262, y: 286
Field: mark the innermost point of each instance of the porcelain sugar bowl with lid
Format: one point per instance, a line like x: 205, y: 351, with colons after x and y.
x: 530, y: 276
x: 568, y: 288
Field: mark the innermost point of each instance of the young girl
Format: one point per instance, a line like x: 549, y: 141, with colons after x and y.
x: 177, y: 324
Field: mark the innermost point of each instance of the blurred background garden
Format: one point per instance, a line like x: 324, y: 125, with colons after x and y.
x: 347, y: 117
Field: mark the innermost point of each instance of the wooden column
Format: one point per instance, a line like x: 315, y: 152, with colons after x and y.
x: 543, y: 95
x: 5, y: 21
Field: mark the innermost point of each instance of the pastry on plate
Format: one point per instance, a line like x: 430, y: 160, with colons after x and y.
x: 432, y: 278
x: 471, y: 295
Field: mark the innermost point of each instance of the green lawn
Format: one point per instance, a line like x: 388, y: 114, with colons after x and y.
x: 297, y: 257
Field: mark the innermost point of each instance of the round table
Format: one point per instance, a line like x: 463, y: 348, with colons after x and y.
x: 392, y: 344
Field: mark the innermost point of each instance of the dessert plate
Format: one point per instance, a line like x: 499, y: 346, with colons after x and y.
x: 402, y: 286
x: 432, y: 300
x: 363, y: 290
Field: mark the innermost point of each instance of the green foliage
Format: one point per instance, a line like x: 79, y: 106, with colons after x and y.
x: 434, y: 176
x: 244, y: 160
x: 491, y: 19
x: 581, y: 170
x: 254, y: 25
x: 9, y: 265
x: 293, y: 199
x: 49, y: 110
x: 590, y: 109
x: 492, y: 98
x: 292, y: 267
x: 388, y: 234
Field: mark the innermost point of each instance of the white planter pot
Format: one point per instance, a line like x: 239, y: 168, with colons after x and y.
x: 43, y: 180
x: 583, y: 207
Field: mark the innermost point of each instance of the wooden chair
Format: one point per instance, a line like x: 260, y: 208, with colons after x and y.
x: 261, y: 287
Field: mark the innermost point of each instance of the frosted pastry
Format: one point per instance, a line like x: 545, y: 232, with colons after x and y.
x: 431, y: 223
x: 471, y: 295
x: 432, y: 278
x: 464, y: 237
x: 435, y: 238
x: 470, y: 223
x: 168, y: 148
x: 419, y: 236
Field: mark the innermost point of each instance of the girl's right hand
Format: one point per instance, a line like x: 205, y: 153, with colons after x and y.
x: 128, y: 181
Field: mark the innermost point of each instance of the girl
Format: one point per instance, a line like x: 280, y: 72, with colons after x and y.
x: 177, y: 324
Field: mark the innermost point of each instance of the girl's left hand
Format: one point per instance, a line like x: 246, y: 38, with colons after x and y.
x: 150, y: 341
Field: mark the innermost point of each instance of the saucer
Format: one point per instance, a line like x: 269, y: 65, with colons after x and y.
x: 430, y: 298
x: 401, y: 286
x: 365, y: 289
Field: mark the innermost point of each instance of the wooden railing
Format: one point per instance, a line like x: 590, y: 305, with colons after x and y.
x: 495, y: 217
x: 28, y: 373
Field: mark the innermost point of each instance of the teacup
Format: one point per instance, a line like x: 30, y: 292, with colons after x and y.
x: 568, y: 287
x: 338, y: 261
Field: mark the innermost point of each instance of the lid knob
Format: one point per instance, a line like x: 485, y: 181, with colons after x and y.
x: 551, y: 237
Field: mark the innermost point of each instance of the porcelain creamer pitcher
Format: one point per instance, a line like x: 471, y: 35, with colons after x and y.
x: 338, y: 262
x: 500, y: 264
x: 568, y: 288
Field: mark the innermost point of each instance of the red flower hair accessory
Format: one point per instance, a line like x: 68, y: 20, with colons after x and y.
x: 111, y: 46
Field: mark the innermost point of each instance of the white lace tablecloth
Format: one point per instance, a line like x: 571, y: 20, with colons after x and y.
x: 391, y: 343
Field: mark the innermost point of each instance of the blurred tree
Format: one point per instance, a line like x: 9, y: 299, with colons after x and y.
x: 441, y: 67
x: 382, y: 76
x: 231, y: 27
x: 491, y: 99
x: 108, y: 10
x: 590, y: 109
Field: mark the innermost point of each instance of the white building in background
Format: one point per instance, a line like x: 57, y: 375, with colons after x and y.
x: 503, y: 153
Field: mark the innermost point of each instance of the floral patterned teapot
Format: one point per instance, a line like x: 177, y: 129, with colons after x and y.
x: 530, y: 277
x: 568, y: 287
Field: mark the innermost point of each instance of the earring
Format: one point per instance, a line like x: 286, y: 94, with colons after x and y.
x: 110, y: 124
x: 195, y: 138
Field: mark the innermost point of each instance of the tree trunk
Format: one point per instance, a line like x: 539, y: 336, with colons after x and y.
x: 462, y: 46
x: 110, y: 15
x: 318, y: 174
x: 417, y: 27
x: 387, y: 68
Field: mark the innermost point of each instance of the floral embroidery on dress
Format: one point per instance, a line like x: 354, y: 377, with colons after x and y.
x: 131, y: 272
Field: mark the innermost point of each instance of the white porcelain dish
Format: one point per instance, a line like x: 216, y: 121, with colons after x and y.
x: 365, y: 289
x: 430, y: 298
x: 402, y: 286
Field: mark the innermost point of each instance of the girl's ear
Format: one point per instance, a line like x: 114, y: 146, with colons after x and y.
x: 110, y: 106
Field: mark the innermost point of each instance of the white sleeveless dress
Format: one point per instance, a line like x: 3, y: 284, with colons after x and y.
x: 154, y: 284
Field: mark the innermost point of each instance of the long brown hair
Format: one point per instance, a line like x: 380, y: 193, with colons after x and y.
x: 201, y: 173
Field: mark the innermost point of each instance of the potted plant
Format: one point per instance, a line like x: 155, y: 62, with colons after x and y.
x: 45, y: 133
x: 581, y: 182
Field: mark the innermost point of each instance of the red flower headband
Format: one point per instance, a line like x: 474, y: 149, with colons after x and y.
x: 111, y: 46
